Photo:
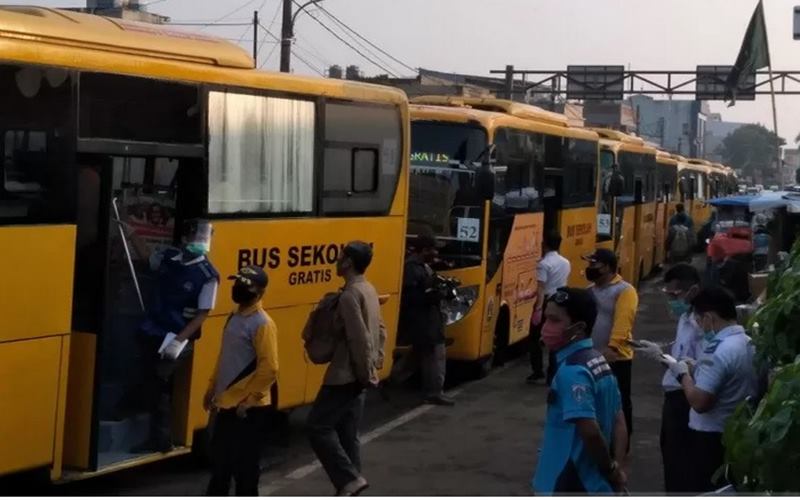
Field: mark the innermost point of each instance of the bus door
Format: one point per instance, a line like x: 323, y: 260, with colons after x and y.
x: 140, y: 174
x: 552, y: 197
x: 129, y: 209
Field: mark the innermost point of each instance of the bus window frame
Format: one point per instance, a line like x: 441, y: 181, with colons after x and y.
x: 69, y: 159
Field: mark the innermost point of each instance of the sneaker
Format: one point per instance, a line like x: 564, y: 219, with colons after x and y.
x: 534, y: 377
x: 353, y: 488
x: 440, y: 400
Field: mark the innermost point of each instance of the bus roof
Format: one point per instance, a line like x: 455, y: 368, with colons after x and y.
x: 666, y: 159
x: 518, y: 109
x: 700, y: 161
x: 75, y: 40
x: 491, y: 120
x: 627, y: 146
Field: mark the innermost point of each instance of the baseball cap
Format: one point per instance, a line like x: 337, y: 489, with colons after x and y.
x: 251, y: 276
x: 602, y: 256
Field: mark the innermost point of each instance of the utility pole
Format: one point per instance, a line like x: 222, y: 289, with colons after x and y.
x: 287, y: 33
x: 255, y: 38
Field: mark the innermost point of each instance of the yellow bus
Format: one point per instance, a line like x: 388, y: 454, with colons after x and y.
x: 666, y: 196
x: 496, y: 261
x: 694, y: 190
x: 104, y: 114
x: 635, y: 212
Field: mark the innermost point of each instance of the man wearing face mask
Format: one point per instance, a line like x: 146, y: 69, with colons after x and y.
x: 585, y: 439
x: 724, y: 377
x: 185, y: 292
x: 682, y: 285
x: 617, y: 303
x: 239, y: 389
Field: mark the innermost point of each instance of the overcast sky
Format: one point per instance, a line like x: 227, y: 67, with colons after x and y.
x: 475, y: 36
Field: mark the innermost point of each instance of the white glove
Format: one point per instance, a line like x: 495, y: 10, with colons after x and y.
x: 649, y: 349
x: 173, y: 350
x: 678, y: 368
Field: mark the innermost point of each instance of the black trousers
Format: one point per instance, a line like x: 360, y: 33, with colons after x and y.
x: 333, y: 431
x: 235, y: 451
x: 706, y: 457
x: 622, y: 370
x: 675, y: 443
x: 156, y: 389
x: 535, y: 337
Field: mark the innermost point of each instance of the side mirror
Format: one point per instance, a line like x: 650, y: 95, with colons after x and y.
x: 616, y: 185
x: 485, y: 182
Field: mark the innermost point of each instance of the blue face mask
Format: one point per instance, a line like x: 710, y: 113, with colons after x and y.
x: 678, y: 307
x: 197, y: 248
x: 708, y: 335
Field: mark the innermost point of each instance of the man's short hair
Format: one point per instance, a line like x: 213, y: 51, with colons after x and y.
x: 716, y: 300
x: 685, y: 274
x: 360, y: 254
x: 552, y: 240
x: 679, y: 208
x: 579, y: 304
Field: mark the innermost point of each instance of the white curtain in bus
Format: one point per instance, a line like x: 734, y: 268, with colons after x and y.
x: 261, y: 154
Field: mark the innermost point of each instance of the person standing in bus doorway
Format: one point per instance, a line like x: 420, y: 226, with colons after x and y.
x: 185, y: 293
x: 552, y: 273
x: 723, y: 378
x: 682, y: 285
x: 585, y: 440
x: 617, y: 304
x: 336, y: 414
x: 239, y: 391
x: 422, y: 322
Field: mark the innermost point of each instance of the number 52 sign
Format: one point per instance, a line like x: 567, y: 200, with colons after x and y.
x: 468, y: 229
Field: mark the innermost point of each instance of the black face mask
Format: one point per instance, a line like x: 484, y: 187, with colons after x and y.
x: 241, y: 294
x: 593, y: 274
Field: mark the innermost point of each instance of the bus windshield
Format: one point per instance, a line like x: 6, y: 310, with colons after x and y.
x: 443, y: 196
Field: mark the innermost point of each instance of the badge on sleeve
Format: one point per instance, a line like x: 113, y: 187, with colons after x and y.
x: 579, y: 392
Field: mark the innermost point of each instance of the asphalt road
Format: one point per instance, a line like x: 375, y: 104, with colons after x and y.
x: 485, y: 445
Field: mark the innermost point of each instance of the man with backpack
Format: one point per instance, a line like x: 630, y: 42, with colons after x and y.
x: 357, y: 357
x: 680, y: 237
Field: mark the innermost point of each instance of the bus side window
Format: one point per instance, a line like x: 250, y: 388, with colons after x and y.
x: 362, y: 158
x: 37, y: 181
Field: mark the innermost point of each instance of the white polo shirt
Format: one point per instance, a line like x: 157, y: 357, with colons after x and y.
x: 553, y: 270
x: 688, y: 344
x: 726, y: 369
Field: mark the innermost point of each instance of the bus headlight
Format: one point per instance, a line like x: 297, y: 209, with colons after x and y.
x: 458, y: 307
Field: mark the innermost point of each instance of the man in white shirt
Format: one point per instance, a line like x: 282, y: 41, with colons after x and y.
x: 552, y: 273
x: 682, y: 283
x: 724, y: 377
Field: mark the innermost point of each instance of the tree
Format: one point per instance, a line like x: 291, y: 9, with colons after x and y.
x: 751, y: 148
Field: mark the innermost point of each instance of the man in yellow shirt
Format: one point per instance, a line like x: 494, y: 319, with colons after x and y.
x: 239, y: 390
x: 617, y: 303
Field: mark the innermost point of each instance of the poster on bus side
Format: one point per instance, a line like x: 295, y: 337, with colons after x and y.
x: 522, y: 254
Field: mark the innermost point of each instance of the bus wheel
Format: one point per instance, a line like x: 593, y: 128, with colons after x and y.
x: 501, y: 338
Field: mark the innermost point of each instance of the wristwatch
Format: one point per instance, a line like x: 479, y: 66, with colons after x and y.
x: 612, y: 469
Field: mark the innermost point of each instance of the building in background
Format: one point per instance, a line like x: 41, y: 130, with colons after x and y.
x: 617, y: 115
x: 676, y: 126
x: 130, y: 10
x: 716, y: 132
x: 791, y: 164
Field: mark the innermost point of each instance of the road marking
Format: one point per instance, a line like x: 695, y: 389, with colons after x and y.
x: 308, y: 469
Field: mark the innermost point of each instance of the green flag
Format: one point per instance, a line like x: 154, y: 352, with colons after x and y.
x: 753, y: 55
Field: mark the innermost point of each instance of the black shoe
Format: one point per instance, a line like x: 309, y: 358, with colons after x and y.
x: 534, y: 377
x: 441, y: 400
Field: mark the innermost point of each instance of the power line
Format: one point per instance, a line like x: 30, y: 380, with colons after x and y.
x: 356, y: 33
x: 309, y: 65
x: 231, y: 13
x: 313, y: 52
x: 350, y: 45
x: 206, y: 25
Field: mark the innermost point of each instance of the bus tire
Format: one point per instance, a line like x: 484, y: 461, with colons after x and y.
x: 500, y: 346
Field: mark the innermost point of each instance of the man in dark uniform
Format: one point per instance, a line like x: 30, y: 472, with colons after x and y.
x: 422, y: 322
x: 185, y: 292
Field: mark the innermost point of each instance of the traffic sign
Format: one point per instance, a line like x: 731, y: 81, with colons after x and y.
x: 596, y: 82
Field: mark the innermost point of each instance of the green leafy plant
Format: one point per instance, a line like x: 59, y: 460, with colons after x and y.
x: 774, y: 325
x: 762, y: 448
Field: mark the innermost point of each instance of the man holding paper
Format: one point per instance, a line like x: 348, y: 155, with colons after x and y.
x: 185, y: 292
